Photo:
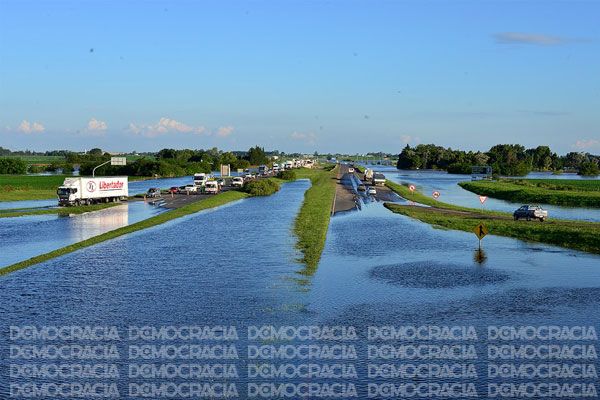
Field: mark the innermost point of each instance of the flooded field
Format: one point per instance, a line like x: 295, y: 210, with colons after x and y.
x: 236, y: 266
x: 28, y: 236
x: 447, y: 184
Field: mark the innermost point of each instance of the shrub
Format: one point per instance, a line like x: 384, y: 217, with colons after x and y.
x: 263, y: 187
x: 287, y: 175
x: 589, y: 168
x: 36, y: 169
x: 13, y: 166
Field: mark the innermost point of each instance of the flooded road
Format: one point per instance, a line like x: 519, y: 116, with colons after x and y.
x: 28, y: 236
x: 236, y: 265
x: 447, y: 184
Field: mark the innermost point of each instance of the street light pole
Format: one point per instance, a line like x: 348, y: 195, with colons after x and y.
x: 94, y: 170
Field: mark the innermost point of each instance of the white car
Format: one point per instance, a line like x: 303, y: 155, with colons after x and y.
x: 237, y: 181
x: 211, y: 187
x: 191, y: 188
x: 372, y: 191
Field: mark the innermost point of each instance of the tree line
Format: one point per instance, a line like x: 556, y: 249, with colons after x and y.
x: 505, y: 159
x: 165, y: 163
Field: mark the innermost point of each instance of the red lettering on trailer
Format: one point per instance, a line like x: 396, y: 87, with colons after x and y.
x: 112, y: 185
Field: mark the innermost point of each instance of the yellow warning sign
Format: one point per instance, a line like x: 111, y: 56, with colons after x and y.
x: 480, y: 230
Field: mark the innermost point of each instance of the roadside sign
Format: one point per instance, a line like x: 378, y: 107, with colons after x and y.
x: 480, y: 231
x: 118, y: 161
x: 225, y: 170
x: 412, y: 188
x: 482, y: 199
x: 436, y: 194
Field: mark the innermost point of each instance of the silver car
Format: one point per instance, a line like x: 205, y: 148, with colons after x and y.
x: 530, y: 212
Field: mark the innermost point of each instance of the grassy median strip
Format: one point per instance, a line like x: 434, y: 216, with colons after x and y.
x: 419, y: 197
x: 62, y: 211
x: 561, y: 192
x: 215, y: 201
x: 576, y: 235
x: 312, y: 221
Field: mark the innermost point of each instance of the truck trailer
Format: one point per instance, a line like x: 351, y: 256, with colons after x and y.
x: 88, y: 190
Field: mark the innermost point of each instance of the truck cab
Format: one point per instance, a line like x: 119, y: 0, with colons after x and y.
x: 67, y: 195
x: 200, y: 179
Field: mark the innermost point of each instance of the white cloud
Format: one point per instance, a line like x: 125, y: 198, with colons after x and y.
x: 529, y: 38
x: 588, y: 144
x: 30, y: 127
x: 224, y: 131
x: 309, y: 138
x: 96, y: 125
x: 165, y: 126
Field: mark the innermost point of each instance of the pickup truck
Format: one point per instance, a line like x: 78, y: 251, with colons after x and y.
x: 530, y: 212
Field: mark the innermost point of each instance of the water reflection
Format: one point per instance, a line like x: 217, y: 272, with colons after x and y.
x: 25, y: 237
x: 236, y: 265
x: 479, y: 256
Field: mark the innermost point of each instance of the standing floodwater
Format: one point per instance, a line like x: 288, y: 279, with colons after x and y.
x: 236, y: 266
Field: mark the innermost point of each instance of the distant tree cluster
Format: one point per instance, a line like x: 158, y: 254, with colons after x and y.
x: 505, y: 159
x: 172, y: 162
x: 12, y: 166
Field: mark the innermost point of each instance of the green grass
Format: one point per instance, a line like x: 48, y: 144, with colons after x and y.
x: 312, y: 222
x: 419, y: 197
x: 210, y: 202
x: 36, y: 187
x: 584, y: 236
x: 29, y: 187
x: 38, y: 159
x: 571, y: 193
x: 62, y: 211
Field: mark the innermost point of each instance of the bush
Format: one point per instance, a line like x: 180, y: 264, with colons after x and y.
x: 589, y: 168
x: 12, y: 166
x: 36, y: 169
x: 287, y: 175
x: 263, y: 187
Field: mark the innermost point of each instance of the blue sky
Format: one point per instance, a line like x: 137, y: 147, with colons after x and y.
x: 347, y: 76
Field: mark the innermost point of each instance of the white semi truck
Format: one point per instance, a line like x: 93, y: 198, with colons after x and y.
x: 88, y: 190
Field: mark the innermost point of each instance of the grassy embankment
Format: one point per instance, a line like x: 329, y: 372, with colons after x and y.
x: 577, y: 235
x: 561, y: 192
x: 61, y: 211
x: 312, y: 222
x: 211, y: 202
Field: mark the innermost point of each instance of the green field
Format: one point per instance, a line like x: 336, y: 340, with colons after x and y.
x: 29, y: 187
x: 38, y: 159
x: 562, y: 192
x: 312, y: 222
